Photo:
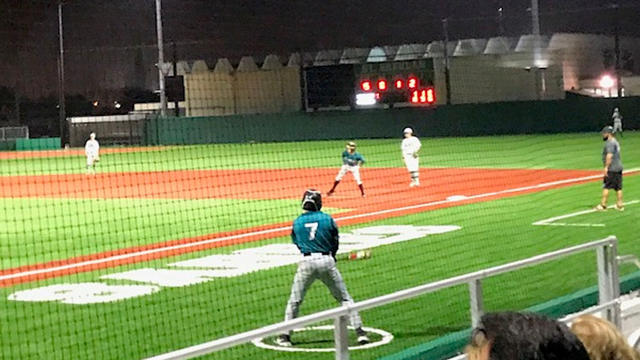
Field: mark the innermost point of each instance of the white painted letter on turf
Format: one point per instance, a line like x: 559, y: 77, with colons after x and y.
x: 83, y: 293
x: 207, y: 268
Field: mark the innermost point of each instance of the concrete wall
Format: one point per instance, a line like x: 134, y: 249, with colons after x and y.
x: 255, y: 92
x: 489, y: 78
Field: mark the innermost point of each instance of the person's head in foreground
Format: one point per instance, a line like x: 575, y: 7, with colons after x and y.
x: 408, y: 132
x: 351, y: 147
x: 522, y: 336
x: 92, y: 136
x: 602, y: 340
x: 607, y: 132
x: 312, y: 200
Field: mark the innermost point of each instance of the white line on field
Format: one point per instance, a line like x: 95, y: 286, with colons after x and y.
x: 576, y: 224
x: 116, y: 258
x: 552, y: 221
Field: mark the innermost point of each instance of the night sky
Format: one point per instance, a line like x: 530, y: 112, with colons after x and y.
x: 212, y: 29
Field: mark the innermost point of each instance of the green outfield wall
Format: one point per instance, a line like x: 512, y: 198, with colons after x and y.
x: 574, y: 114
x: 7, y: 145
x: 38, y: 144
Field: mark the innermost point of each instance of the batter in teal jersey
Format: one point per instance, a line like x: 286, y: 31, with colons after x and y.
x: 316, y: 236
x: 351, y: 161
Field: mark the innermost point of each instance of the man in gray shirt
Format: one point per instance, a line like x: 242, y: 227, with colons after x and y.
x: 612, y: 169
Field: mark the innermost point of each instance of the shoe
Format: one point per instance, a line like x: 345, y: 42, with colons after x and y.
x: 284, y: 341
x: 619, y: 208
x: 330, y: 193
x: 601, y: 207
x: 412, y: 184
x: 363, y: 339
x: 364, y: 195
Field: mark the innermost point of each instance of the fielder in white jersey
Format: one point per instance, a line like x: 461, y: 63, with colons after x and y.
x: 410, y: 147
x: 617, y: 121
x: 92, y: 151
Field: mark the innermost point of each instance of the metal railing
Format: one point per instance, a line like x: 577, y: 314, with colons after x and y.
x: 608, y: 290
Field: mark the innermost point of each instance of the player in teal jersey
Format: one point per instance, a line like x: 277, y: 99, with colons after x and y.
x: 316, y: 235
x: 351, y: 161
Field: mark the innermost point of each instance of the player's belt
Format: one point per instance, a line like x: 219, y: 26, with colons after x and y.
x: 309, y: 254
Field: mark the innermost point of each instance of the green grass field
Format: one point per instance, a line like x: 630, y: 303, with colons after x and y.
x: 562, y: 151
x: 493, y: 232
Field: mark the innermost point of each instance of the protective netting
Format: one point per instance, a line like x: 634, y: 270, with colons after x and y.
x: 155, y: 229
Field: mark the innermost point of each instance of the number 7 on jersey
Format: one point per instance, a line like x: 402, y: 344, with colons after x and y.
x: 313, y: 227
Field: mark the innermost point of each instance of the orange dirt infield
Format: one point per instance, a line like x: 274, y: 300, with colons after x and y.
x: 388, y: 195
x: 12, y: 155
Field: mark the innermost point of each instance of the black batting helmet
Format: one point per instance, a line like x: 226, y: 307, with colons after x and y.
x: 312, y: 200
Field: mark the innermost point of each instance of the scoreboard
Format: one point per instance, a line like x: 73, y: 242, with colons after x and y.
x: 394, y: 82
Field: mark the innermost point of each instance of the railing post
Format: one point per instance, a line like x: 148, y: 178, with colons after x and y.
x: 341, y: 337
x: 476, y: 301
x: 608, y: 281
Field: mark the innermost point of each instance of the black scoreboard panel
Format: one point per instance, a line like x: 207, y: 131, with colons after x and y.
x: 329, y: 86
x: 392, y: 82
x: 402, y: 82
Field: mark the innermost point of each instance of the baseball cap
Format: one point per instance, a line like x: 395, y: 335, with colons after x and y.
x: 351, y: 144
x: 407, y: 130
x: 607, y: 130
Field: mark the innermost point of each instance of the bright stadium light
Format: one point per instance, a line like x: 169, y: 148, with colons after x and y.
x: 607, y: 82
x: 366, y: 99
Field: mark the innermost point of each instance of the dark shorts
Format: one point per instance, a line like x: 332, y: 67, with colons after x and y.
x: 613, y: 180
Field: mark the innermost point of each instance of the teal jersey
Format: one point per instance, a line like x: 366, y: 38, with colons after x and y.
x: 315, y: 231
x: 352, y: 159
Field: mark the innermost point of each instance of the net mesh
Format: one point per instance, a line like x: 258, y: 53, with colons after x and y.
x: 174, y: 229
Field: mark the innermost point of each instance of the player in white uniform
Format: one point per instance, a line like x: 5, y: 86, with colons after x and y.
x: 92, y: 151
x: 617, y: 122
x: 410, y: 147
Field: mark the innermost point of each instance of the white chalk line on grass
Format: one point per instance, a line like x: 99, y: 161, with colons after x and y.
x: 552, y: 220
x: 385, y: 338
x: 458, y: 198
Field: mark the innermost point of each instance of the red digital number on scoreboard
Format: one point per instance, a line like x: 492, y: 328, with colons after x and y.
x: 365, y: 85
x: 382, y: 85
x: 412, y: 82
x: 423, y: 96
x: 397, y: 87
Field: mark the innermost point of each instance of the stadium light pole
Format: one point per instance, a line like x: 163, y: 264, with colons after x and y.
x: 500, y: 20
x: 616, y: 35
x: 447, y: 75
x: 537, y: 49
x: 62, y: 116
x: 163, y: 95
